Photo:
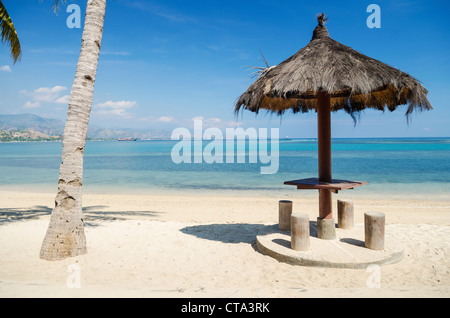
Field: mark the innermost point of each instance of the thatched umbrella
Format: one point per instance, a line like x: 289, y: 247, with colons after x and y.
x: 327, y: 76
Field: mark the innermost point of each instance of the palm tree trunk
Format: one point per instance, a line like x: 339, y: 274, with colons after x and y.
x: 65, y: 235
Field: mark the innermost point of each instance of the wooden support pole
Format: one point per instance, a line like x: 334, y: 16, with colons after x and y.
x: 325, y: 224
x: 324, y: 152
x: 300, y: 232
x: 374, y: 223
x: 284, y: 215
x: 345, y: 214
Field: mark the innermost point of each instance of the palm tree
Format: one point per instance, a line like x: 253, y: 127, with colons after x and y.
x: 9, y: 34
x: 65, y: 234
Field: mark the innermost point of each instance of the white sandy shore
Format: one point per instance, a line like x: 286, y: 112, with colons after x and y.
x: 202, y: 245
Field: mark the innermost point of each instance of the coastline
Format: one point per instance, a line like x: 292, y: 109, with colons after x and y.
x: 202, y: 245
x: 232, y: 206
x: 374, y: 192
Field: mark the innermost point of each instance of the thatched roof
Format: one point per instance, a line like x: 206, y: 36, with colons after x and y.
x: 353, y: 80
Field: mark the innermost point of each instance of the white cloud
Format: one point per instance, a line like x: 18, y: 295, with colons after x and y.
x: 118, y: 108
x: 213, y: 120
x: 209, y: 122
x: 32, y: 105
x: 123, y: 104
x: 165, y: 119
x: 45, y: 95
x: 115, y: 112
x: 47, y: 90
x: 5, y: 68
x: 235, y: 124
x: 63, y: 100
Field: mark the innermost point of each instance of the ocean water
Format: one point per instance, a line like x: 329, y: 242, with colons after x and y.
x: 413, y: 167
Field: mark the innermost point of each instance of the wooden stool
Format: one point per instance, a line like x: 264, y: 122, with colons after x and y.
x: 284, y: 215
x: 374, y: 230
x: 345, y: 214
x: 300, y: 232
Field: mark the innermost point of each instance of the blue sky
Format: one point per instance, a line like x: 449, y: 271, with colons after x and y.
x: 165, y: 63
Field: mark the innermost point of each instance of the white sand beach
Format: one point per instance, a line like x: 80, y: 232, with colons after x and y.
x: 202, y: 245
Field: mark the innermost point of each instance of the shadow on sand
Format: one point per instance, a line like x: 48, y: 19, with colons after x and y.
x: 246, y: 233
x: 228, y: 233
x: 92, y: 215
x: 237, y: 233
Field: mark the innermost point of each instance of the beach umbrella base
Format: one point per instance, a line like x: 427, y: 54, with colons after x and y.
x: 347, y: 250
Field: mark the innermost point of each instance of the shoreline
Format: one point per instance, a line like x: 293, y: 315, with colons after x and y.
x: 232, y: 206
x: 359, y: 193
x: 281, y: 138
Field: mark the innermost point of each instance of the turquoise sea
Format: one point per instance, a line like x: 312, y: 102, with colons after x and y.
x: 413, y: 167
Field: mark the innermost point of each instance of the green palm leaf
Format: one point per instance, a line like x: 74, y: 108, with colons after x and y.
x: 57, y: 4
x: 9, y: 34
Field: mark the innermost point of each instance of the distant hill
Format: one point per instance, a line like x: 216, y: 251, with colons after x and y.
x: 25, y: 135
x: 50, y: 127
x: 33, y: 127
x: 105, y: 133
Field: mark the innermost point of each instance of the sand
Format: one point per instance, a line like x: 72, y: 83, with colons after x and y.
x: 203, y: 245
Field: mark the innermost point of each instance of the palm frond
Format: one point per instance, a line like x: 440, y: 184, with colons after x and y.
x: 56, y: 6
x: 9, y: 34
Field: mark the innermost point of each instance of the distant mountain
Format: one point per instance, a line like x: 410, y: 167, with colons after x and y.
x: 105, y: 133
x: 50, y: 127
x: 54, y: 127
